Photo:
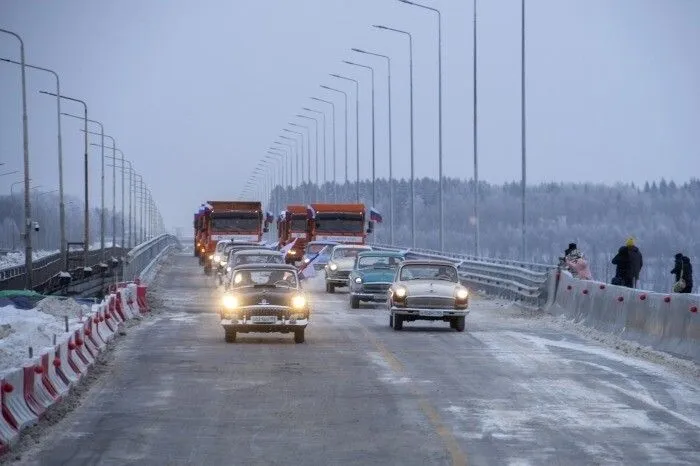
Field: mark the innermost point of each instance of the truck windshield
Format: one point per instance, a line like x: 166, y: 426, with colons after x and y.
x: 339, y: 223
x: 298, y: 223
x: 239, y: 223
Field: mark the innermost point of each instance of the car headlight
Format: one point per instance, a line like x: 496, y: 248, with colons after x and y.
x: 237, y: 279
x: 333, y: 266
x: 223, y: 263
x: 291, y: 252
x: 298, y: 302
x: 230, y: 302
x: 217, y: 258
x: 462, y: 294
x: 400, y: 292
x: 228, y: 269
x: 306, y: 260
x: 358, y: 279
x: 211, y: 256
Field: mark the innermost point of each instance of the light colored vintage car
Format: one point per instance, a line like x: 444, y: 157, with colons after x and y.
x: 428, y: 290
x: 372, y: 276
x: 340, y: 265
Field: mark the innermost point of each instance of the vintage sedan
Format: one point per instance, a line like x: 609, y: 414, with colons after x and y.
x: 428, y: 290
x: 340, y: 265
x: 372, y: 276
x: 265, y: 298
x: 251, y: 256
x: 319, y: 252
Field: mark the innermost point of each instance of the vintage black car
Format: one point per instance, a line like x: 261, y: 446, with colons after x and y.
x: 265, y: 298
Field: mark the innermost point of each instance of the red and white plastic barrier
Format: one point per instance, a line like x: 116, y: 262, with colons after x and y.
x: 14, y: 405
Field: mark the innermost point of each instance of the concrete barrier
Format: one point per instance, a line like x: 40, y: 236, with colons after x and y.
x: 50, y: 362
x: 14, y: 405
x: 666, y: 322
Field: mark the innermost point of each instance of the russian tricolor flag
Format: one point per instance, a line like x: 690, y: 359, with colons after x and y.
x: 310, y: 212
x: 375, y: 215
x: 269, y: 218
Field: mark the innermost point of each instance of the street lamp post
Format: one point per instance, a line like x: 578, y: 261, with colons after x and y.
x: 130, y: 170
x: 357, y: 132
x: 308, y: 135
x: 25, y: 143
x: 440, y: 181
x: 347, y: 123
x: 391, y: 179
x: 477, y: 242
x: 323, y: 115
x: 61, y: 205
x: 412, y: 138
x: 293, y: 150
x: 335, y: 182
x: 523, y: 146
x: 114, y: 192
x: 102, y: 179
x: 86, y: 248
x: 374, y: 200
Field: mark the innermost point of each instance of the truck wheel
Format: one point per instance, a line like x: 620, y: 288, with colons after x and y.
x: 391, y: 320
x: 354, y: 302
x: 459, y: 323
x: 330, y: 288
x: 299, y: 336
x: 230, y: 336
x: 398, y: 322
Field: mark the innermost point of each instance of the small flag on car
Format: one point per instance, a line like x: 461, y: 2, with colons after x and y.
x: 375, y: 215
x: 310, y: 212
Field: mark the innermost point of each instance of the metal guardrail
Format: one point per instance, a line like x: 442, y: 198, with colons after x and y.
x: 142, y: 255
x: 527, y: 283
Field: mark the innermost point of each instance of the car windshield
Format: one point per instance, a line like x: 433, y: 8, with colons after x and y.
x: 221, y: 246
x: 327, y: 222
x: 315, y: 248
x: 428, y: 272
x: 240, y: 223
x: 258, y: 259
x: 283, y: 278
x: 343, y: 253
x: 299, y: 223
x: 377, y: 262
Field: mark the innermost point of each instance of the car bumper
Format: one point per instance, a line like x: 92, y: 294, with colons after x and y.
x: 337, y: 280
x: 429, y: 314
x: 363, y: 296
x: 279, y: 327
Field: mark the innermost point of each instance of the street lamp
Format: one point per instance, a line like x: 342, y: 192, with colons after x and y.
x: 440, y: 182
x: 61, y: 205
x: 315, y: 120
x: 308, y: 165
x: 286, y: 145
x: 391, y: 182
x: 412, y: 136
x: 523, y: 146
x: 347, y: 123
x: 25, y: 144
x: 131, y: 181
x: 86, y: 239
x: 373, y: 129
x: 335, y: 181
x: 325, y: 178
x: 357, y: 131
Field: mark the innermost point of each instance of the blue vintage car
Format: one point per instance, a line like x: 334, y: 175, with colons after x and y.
x: 319, y: 252
x: 372, y: 275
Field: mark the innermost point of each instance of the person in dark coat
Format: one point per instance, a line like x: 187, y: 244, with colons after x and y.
x: 572, y: 247
x: 683, y: 269
x: 636, y: 261
x: 623, y: 270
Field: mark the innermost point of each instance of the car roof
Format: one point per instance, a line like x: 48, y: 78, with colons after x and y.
x: 257, y: 252
x: 353, y: 246
x: 257, y: 266
x: 322, y: 242
x: 374, y: 252
x: 440, y: 262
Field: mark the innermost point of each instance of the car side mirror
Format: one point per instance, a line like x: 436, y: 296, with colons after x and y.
x: 370, y: 226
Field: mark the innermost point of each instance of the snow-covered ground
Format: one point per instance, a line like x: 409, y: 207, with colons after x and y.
x: 21, y: 329
x: 13, y: 259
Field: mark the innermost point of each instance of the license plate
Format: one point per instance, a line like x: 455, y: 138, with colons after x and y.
x: 263, y: 319
x: 431, y: 313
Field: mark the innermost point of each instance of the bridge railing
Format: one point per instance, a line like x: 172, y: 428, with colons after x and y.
x: 531, y: 284
x: 142, y: 255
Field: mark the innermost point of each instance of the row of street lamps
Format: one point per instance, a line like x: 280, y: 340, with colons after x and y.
x: 150, y: 219
x: 283, y: 148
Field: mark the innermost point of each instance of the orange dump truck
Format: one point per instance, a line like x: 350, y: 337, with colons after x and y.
x: 293, y: 224
x: 341, y: 223
x: 241, y: 221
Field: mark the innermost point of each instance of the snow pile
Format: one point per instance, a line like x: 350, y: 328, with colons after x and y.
x: 13, y: 259
x: 62, y: 307
x: 24, y: 328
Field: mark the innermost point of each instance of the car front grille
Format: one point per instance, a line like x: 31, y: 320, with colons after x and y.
x: 265, y: 311
x: 376, y: 288
x: 340, y: 274
x: 430, y: 302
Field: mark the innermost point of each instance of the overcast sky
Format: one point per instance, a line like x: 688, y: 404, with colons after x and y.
x: 195, y: 91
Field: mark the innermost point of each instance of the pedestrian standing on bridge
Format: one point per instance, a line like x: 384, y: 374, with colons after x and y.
x: 578, y: 265
x: 636, y: 261
x: 684, y: 274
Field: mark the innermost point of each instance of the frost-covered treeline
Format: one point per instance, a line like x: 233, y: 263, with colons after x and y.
x: 661, y: 216
x: 45, y: 211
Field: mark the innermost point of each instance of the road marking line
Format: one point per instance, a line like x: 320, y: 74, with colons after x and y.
x: 458, y: 457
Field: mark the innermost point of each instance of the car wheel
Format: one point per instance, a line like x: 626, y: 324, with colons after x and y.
x: 230, y: 336
x: 391, y: 320
x: 398, y: 323
x: 459, y: 323
x: 330, y: 288
x: 299, y: 336
x: 354, y: 302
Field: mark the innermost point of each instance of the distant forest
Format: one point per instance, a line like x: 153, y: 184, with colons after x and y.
x: 662, y: 216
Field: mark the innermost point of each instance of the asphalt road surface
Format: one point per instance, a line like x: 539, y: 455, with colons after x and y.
x: 505, y: 392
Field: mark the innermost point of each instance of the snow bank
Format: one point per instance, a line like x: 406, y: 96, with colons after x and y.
x: 24, y: 328
x: 13, y: 259
x: 58, y: 307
